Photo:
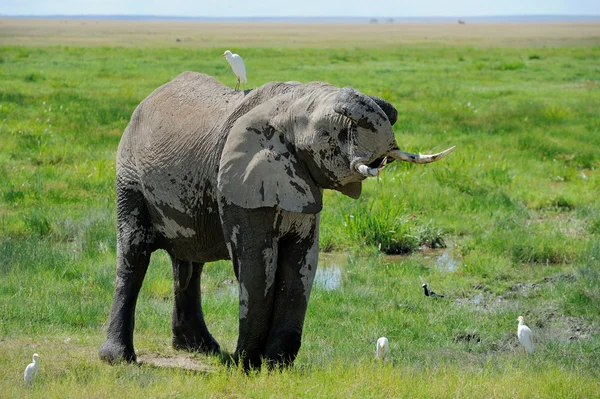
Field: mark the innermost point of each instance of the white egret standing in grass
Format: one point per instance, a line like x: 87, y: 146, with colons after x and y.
x: 31, y: 370
x: 525, y: 337
x: 237, y: 65
x: 382, y: 348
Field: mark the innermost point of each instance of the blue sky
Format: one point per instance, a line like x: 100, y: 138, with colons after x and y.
x: 311, y: 8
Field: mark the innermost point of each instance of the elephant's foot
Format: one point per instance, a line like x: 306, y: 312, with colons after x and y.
x: 188, y: 342
x: 114, y: 352
x: 252, y: 361
x: 279, y: 362
x: 282, y: 351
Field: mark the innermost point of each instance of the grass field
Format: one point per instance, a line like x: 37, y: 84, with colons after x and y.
x: 507, y: 225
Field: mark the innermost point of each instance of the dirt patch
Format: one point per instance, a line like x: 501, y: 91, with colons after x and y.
x: 579, y: 328
x: 481, y: 301
x: 551, y: 325
x: 560, y: 277
x: 547, y: 321
x: 483, y: 298
x: 522, y: 289
x: 546, y: 328
x: 527, y: 289
x: 179, y: 361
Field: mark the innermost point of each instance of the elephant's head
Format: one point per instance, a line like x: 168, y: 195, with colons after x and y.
x: 315, y: 136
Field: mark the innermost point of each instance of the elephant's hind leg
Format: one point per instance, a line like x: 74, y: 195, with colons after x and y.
x: 189, y: 329
x: 134, y: 245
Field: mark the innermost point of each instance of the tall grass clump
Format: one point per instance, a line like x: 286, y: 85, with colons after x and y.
x: 391, y: 232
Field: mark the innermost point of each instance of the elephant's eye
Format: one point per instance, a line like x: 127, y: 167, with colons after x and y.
x: 323, y: 132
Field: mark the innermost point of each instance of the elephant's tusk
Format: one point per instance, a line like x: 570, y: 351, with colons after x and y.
x: 370, y: 172
x: 418, y: 158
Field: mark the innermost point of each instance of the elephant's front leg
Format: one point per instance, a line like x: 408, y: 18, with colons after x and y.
x: 189, y: 329
x: 253, y: 247
x: 296, y: 269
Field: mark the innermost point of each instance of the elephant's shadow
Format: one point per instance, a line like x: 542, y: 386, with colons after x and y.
x: 186, y: 361
x: 190, y: 363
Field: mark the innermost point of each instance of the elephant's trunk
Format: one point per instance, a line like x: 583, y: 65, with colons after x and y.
x: 367, y: 171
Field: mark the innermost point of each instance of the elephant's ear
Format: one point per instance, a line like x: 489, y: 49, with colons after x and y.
x: 388, y: 108
x: 259, y: 167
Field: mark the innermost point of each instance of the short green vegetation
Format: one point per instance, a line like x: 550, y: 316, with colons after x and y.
x: 507, y: 225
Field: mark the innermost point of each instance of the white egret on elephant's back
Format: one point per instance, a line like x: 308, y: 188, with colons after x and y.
x: 31, y: 370
x: 524, y: 334
x: 237, y: 66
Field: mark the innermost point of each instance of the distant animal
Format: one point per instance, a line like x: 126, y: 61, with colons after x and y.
x: 237, y: 65
x: 525, y: 336
x: 31, y: 370
x: 430, y: 293
x: 382, y: 348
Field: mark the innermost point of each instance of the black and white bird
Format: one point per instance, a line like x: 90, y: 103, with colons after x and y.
x: 237, y: 65
x: 31, y: 370
x: 430, y: 293
x: 525, y: 336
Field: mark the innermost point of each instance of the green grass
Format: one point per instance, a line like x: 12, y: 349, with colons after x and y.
x: 509, y: 224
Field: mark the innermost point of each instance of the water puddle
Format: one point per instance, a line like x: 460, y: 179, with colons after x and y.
x: 329, y: 278
x: 329, y: 271
x: 446, y: 262
x: 478, y: 299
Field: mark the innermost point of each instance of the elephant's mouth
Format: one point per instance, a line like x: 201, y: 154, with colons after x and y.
x: 379, y: 162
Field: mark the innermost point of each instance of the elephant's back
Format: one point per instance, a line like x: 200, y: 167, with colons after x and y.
x: 177, y: 121
x: 192, y: 103
x: 194, y: 90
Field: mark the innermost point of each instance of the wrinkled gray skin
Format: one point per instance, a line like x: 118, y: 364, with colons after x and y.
x: 207, y: 173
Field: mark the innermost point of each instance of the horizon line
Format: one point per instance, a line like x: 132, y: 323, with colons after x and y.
x: 368, y: 17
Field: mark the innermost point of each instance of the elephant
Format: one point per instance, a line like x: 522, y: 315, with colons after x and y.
x: 208, y: 173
